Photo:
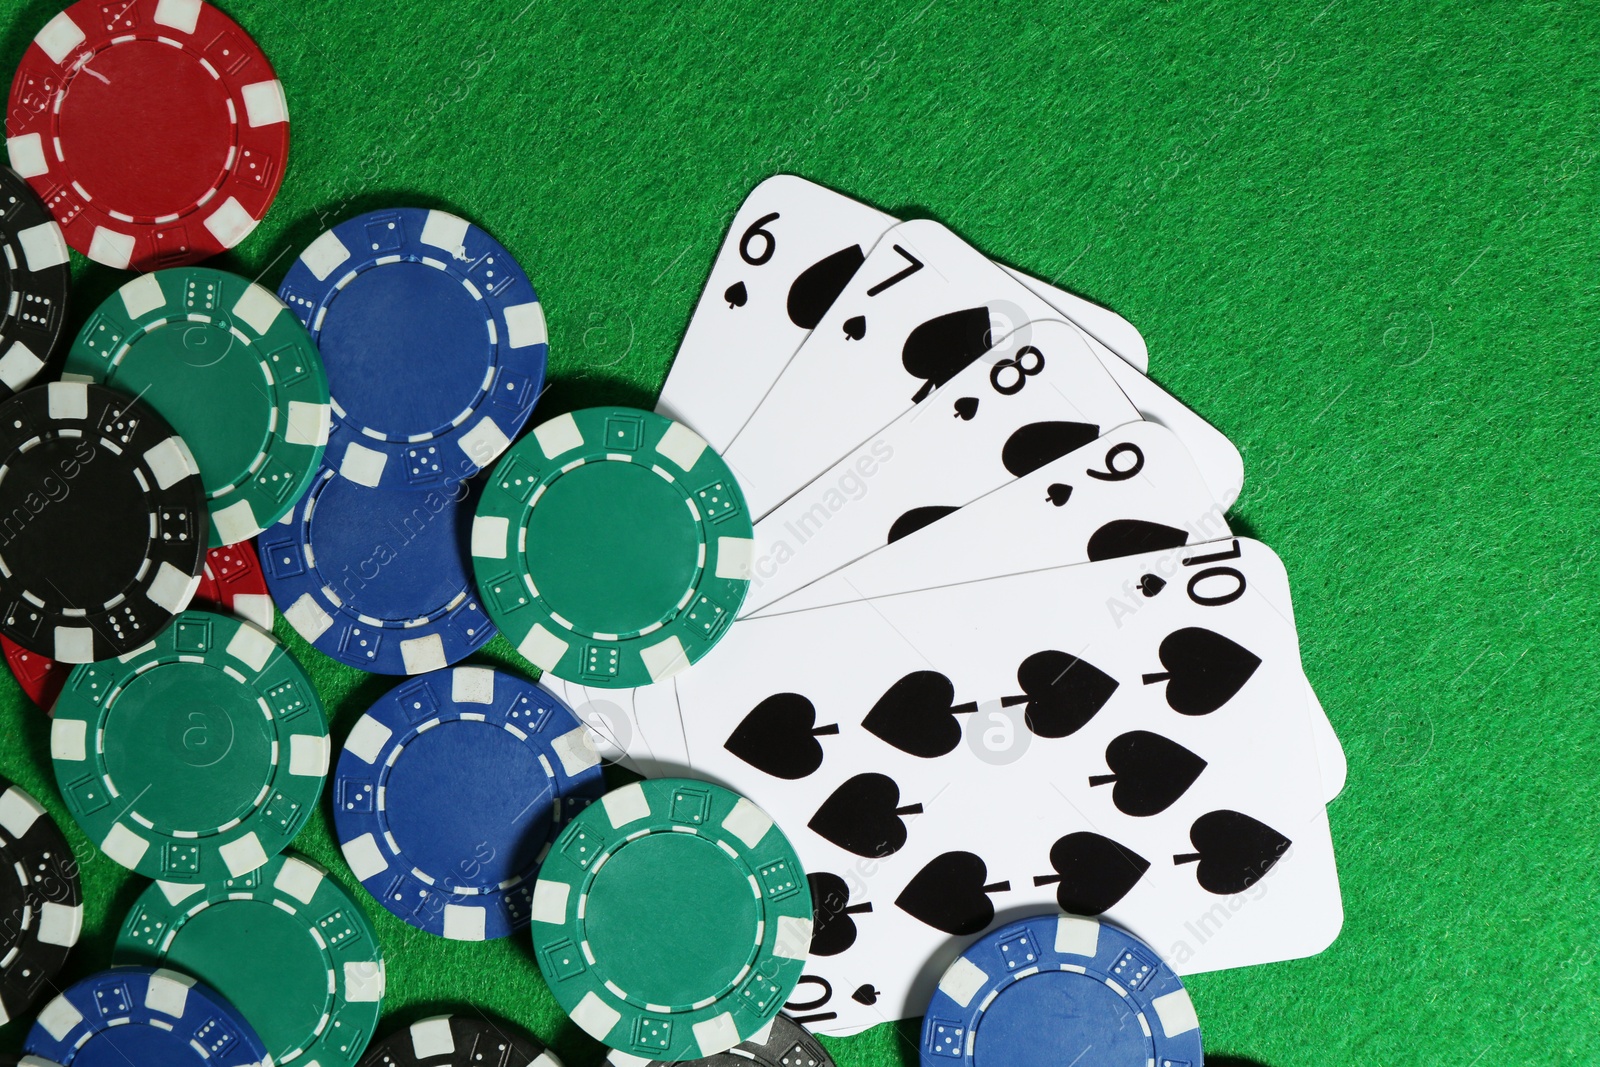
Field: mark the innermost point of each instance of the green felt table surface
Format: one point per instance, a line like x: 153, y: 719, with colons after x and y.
x: 1359, y: 237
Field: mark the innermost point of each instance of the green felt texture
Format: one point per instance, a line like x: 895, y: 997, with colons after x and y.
x: 1358, y: 236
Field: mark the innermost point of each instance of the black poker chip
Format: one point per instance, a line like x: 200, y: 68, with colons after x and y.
x: 103, y: 522
x: 41, y: 903
x: 35, y: 278
x: 786, y: 1044
x: 459, y: 1041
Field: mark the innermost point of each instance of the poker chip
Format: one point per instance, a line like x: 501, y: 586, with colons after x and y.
x: 195, y: 758
x: 434, y: 341
x: 285, y: 943
x: 1057, y: 988
x: 237, y: 376
x: 105, y: 522
x: 460, y: 1041
x: 672, y: 919
x: 448, y: 792
x: 147, y: 1016
x: 35, y: 280
x: 41, y: 903
x: 155, y: 130
x: 785, y: 1043
x: 612, y: 546
x: 231, y: 582
x: 378, y: 579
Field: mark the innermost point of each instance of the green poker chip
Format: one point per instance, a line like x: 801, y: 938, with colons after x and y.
x: 285, y: 944
x: 672, y: 919
x: 234, y: 372
x: 195, y: 758
x: 612, y: 546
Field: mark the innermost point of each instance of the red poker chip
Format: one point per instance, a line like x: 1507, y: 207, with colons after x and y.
x: 232, y: 580
x: 155, y: 130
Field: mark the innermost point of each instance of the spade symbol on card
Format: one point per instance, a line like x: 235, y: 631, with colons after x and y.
x: 864, y: 816
x: 1092, y: 872
x: 736, y: 295
x: 916, y: 716
x: 1150, y: 772
x: 816, y: 288
x: 1234, y: 851
x: 949, y: 894
x: 1061, y: 691
x: 1151, y: 584
x: 779, y: 736
x: 833, y: 930
x: 865, y: 994
x: 1058, y: 493
x: 939, y: 348
x: 1203, y: 670
x: 855, y: 327
x: 1032, y: 446
x: 966, y: 408
x: 916, y: 519
x: 1131, y: 537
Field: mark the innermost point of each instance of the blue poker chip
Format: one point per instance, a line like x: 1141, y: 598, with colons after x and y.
x: 1061, y: 989
x: 434, y: 342
x: 147, y: 1016
x: 449, y: 791
x: 378, y: 579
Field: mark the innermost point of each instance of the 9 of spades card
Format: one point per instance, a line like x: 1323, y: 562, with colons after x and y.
x: 1126, y: 738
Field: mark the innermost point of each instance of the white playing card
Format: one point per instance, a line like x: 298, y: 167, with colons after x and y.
x: 1083, y: 737
x: 789, y: 251
x: 921, y: 307
x: 637, y: 728
x: 1037, y: 395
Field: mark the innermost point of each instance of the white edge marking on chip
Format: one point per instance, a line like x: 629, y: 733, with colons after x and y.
x: 74, y: 644
x: 432, y: 1037
x: 618, y: 1058
x: 525, y: 325
x: 1077, y: 936
x: 308, y: 424
x: 963, y: 981
x: 43, y: 246
x: 549, y: 903
x: 177, y: 892
x: 794, y: 937
x: 364, y: 981
x: 18, y: 812
x: 325, y: 255
x: 716, y: 1034
x: 748, y: 823
x: 244, y: 855
x: 472, y: 685
x: 60, y: 1018
x: 558, y: 436
x: 541, y: 648
x: 625, y: 805
x: 142, y: 296
x: 735, y: 555
x: 27, y: 153
x: 575, y: 751
x: 58, y: 38
x: 167, y: 993
x: 367, y: 739
x: 361, y: 465
x: 419, y: 655
x: 236, y: 522
x: 69, y: 740
x: 465, y: 923
x: 763, y: 1035
x: 264, y: 103
x: 172, y: 589
x: 68, y: 400
x: 298, y: 879
x: 231, y: 223
x: 595, y: 1016
x: 682, y: 445
x: 444, y: 230
x: 60, y: 924
x: 258, y: 307
x: 364, y: 856
x: 251, y: 647
x: 489, y: 534
x: 124, y: 846
x: 111, y: 247
x: 307, y: 618
x: 254, y: 607
x: 664, y: 659
x: 309, y: 755
x: 170, y: 461
x: 1176, y: 1012
x: 19, y: 366
x: 484, y: 442
x: 181, y: 15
